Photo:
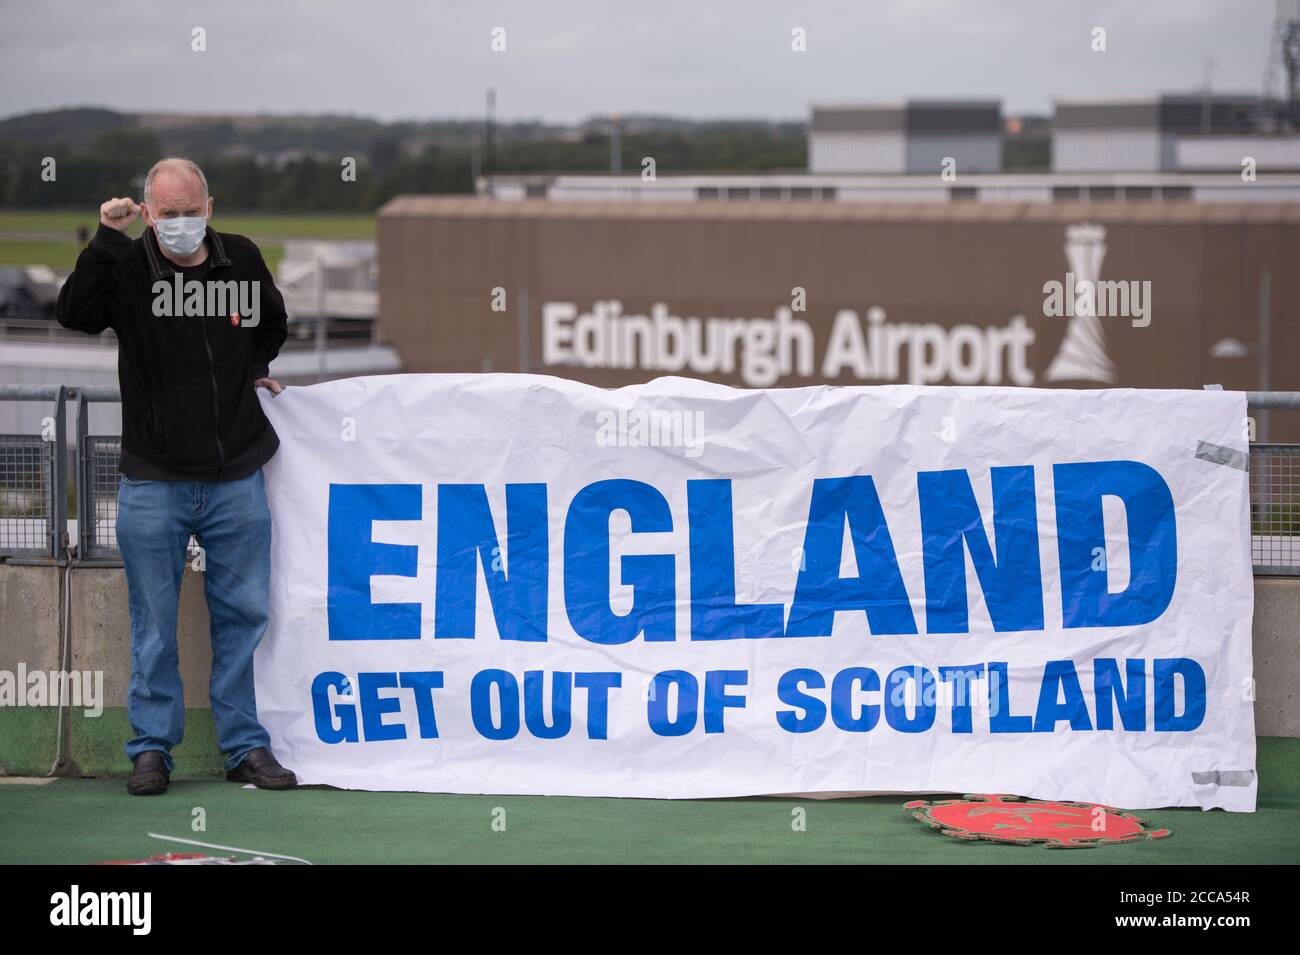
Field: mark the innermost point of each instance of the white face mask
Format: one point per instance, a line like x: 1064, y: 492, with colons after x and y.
x: 181, y: 236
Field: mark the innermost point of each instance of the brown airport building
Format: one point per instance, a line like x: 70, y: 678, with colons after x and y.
x: 784, y: 293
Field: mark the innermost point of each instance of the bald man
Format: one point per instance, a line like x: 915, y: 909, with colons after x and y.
x: 198, y: 320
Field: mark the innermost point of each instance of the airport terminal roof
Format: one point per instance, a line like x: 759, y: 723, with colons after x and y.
x: 1173, y: 212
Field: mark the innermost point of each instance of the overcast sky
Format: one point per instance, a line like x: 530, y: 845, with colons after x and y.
x: 566, y: 60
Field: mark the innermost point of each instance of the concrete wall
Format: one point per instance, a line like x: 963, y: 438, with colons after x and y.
x: 30, y: 611
x: 29, y: 634
x: 1277, y: 656
x: 101, y: 632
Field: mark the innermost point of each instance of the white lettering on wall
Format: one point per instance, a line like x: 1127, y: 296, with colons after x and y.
x: 762, y: 351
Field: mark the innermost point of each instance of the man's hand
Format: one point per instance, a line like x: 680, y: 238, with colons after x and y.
x: 119, y: 213
x: 270, y: 384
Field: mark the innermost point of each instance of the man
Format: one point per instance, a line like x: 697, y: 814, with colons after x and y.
x: 194, y: 440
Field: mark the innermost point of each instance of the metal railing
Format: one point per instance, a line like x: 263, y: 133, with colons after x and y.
x: 34, y: 485
x: 97, y: 482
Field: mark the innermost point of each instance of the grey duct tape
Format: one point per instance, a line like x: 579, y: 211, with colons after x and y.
x: 1237, y: 777
x: 1218, y: 454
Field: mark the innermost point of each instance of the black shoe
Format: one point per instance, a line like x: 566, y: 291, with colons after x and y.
x: 150, y: 776
x: 262, y: 769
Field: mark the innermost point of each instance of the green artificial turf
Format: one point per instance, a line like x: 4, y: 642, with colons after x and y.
x: 89, y: 820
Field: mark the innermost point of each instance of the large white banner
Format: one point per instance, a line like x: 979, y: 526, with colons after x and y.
x: 521, y: 584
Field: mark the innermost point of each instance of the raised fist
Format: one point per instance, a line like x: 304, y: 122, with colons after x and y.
x: 119, y: 213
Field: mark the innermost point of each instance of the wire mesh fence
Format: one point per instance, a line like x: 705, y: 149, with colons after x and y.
x: 25, y: 505
x: 1275, y: 508
x: 100, y: 478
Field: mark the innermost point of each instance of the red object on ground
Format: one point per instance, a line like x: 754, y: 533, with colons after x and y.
x: 185, y: 858
x: 1026, y: 822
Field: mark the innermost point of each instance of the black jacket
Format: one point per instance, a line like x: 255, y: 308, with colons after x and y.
x: 189, y: 407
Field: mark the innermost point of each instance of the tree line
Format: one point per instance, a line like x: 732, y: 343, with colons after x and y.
x: 267, y: 169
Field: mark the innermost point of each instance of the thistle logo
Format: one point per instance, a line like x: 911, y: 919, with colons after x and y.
x: 1082, y: 355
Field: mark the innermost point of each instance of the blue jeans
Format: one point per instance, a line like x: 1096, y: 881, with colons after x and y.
x: 232, y: 523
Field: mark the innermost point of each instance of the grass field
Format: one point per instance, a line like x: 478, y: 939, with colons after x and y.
x: 88, y: 820
x: 49, y: 238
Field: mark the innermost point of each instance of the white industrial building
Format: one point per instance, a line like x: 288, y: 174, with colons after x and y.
x: 1170, y: 133
x: 911, y: 136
